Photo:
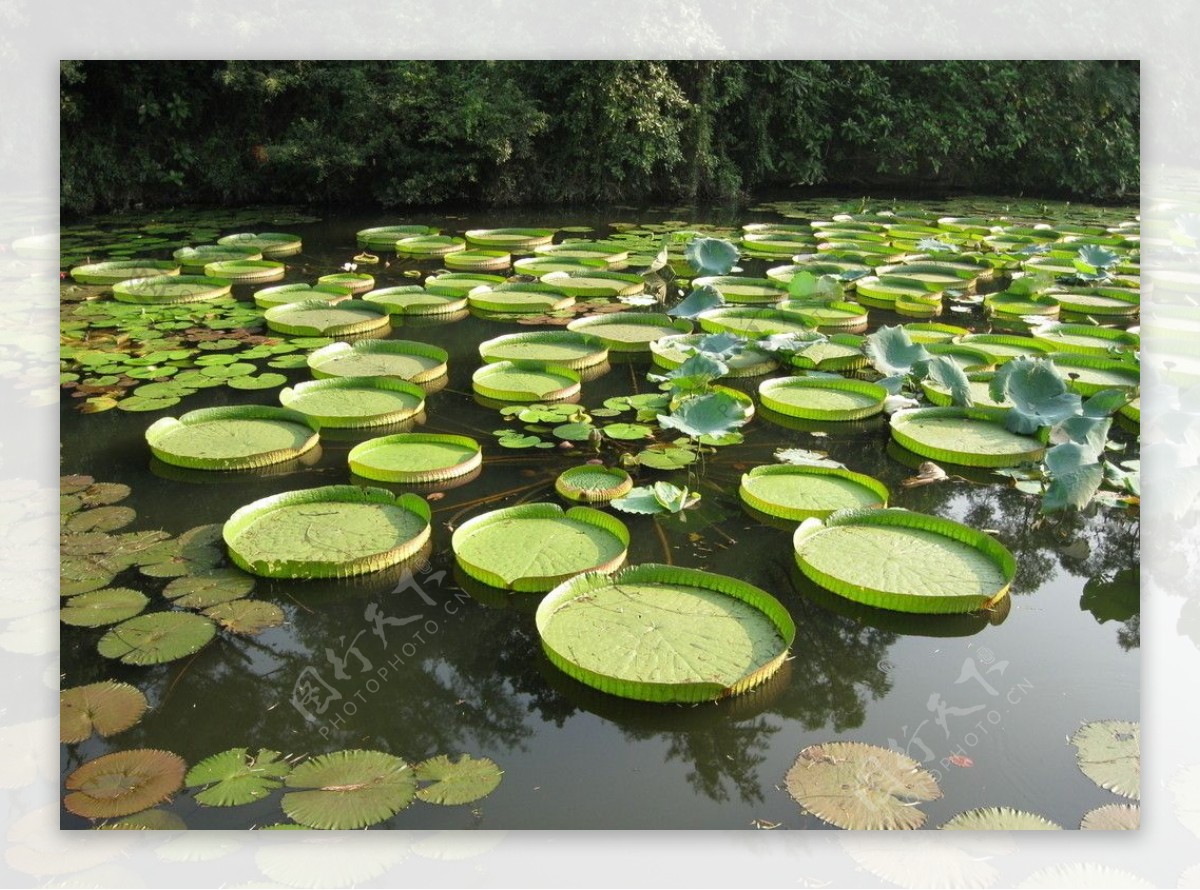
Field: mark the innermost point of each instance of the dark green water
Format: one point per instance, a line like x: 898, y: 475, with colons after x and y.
x: 1006, y: 693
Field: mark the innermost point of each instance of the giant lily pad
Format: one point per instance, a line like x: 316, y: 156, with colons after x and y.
x: 478, y: 260
x: 385, y: 237
x: 349, y: 789
x: 327, y: 532
x: 245, y: 271
x: 570, y: 349
x: 455, y: 782
x: 590, y: 284
x: 355, y: 402
x: 459, y: 284
x: 1109, y: 753
x: 428, y: 245
x: 509, y: 239
x: 906, y: 561
x: 123, y: 783
x: 747, y: 361
x: 105, y: 709
x: 664, y: 633
x: 156, y: 638
x: 520, y: 297
x: 525, y: 381
x: 857, y: 786
x: 171, y: 289
x: 974, y: 437
x: 269, y: 244
x: 736, y: 289
x: 553, y: 545
x: 753, y: 322
x: 821, y: 398
x: 233, y: 438
x: 318, y: 318
x: 415, y: 457
x: 115, y: 271
x: 415, y: 301
x: 800, y: 492
x: 234, y: 777
x: 630, y: 331
x: 100, y: 607
x: 403, y: 359
x: 266, y: 297
x: 194, y: 259
x: 999, y: 819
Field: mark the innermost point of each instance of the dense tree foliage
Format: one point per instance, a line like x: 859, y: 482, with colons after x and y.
x: 397, y: 133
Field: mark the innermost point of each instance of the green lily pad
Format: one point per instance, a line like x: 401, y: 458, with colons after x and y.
x: 194, y: 259
x: 402, y: 359
x: 520, y: 297
x: 200, y: 591
x: 1109, y: 753
x: 525, y: 381
x: 570, y: 349
x: 799, y: 492
x: 171, y: 289
x: 280, y: 294
x: 664, y: 633
x: 478, y: 260
x: 99, y: 519
x: 115, y: 271
x: 554, y: 545
x: 270, y: 244
x: 147, y: 820
x: 246, y: 617
x: 327, y: 532
x: 428, y: 245
x: 349, y: 789
x: 232, y: 438
x: 234, y: 777
x: 999, y: 819
x: 415, y: 457
x: 666, y: 457
x: 857, y: 786
x: 100, y: 607
x: 245, y: 271
x: 123, y: 783
x: 510, y: 238
x: 457, y: 285
x: 593, y: 484
x: 628, y: 432
x: 906, y: 561
x: 318, y: 318
x: 355, y: 402
x: 385, y: 237
x: 968, y: 436
x: 156, y: 638
x: 456, y: 782
x: 819, y: 398
x: 105, y: 709
x: 630, y: 331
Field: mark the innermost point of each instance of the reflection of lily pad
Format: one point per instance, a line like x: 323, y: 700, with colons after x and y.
x: 105, y: 708
x: 553, y: 545
x: 465, y: 780
x: 147, y: 820
x: 328, y: 532
x: 1109, y: 753
x: 664, y: 633
x: 1113, y: 817
x: 233, y: 777
x: 349, y: 789
x: 246, y: 617
x: 1115, y: 599
x: 857, y: 786
x: 100, y: 607
x: 156, y: 638
x: 123, y: 783
x: 999, y: 819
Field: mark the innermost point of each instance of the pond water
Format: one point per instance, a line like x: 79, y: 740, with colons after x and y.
x: 1004, y: 690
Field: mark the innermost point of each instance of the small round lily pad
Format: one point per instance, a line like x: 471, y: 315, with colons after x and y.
x: 593, y: 484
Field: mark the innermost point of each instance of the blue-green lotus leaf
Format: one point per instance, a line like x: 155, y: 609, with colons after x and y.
x: 891, y: 351
x: 709, y: 414
x: 1038, y: 394
x: 947, y: 374
x: 1075, y: 475
x: 711, y: 256
x: 699, y: 300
